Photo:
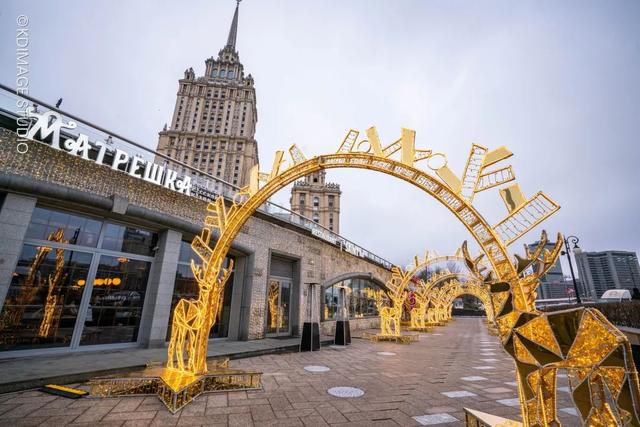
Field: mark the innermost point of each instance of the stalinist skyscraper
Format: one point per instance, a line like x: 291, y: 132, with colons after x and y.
x: 214, y: 119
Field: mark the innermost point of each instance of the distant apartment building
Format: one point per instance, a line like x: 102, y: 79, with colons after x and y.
x: 605, y: 270
x: 552, y: 284
x: 317, y: 199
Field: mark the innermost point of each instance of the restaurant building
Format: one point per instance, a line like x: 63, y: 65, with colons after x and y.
x: 95, y: 246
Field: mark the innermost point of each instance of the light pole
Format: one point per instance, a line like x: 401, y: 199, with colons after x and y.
x: 573, y: 240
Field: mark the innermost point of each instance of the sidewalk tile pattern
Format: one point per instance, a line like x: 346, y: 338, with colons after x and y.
x: 404, y: 390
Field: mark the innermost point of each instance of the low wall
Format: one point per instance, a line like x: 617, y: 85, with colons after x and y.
x: 623, y: 313
x: 329, y: 327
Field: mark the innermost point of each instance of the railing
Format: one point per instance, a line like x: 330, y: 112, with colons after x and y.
x: 204, y: 185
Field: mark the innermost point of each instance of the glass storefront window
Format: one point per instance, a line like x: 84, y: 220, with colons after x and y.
x: 117, y: 298
x: 51, y: 281
x: 78, y: 230
x: 357, y: 295
x: 186, y: 253
x: 41, y: 307
x: 187, y: 287
x: 123, y: 238
x: 278, y: 306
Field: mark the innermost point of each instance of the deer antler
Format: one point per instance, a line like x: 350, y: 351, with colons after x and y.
x: 472, y: 264
x: 531, y: 258
x: 225, y: 274
x: 541, y: 257
x: 197, y: 271
x: 550, y: 257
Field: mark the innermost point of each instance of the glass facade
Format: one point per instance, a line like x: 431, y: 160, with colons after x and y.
x: 186, y: 287
x: 41, y: 307
x: 279, y: 306
x: 77, y: 230
x: 122, y: 238
x: 357, y: 295
x: 117, y: 298
x: 79, y: 281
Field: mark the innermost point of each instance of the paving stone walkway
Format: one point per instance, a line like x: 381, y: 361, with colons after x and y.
x: 424, y: 383
x: 35, y: 371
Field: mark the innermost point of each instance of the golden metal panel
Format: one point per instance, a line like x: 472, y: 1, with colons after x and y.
x: 513, y: 197
x: 525, y: 218
x: 349, y: 141
x: 408, y: 146
x: 495, y: 178
x: 472, y: 170
x: 449, y: 177
x: 495, y: 156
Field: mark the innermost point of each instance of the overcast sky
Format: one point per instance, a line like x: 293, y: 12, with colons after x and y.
x: 556, y: 82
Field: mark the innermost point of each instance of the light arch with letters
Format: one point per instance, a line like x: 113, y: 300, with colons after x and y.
x: 512, y: 290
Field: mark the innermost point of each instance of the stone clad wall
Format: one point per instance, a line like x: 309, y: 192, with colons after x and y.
x: 44, y: 163
x: 318, y: 261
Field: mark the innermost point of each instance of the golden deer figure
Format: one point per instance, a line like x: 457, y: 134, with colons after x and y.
x: 595, y: 355
x: 390, y: 317
x: 194, y: 318
x: 378, y: 296
x: 419, y: 310
x: 437, y: 306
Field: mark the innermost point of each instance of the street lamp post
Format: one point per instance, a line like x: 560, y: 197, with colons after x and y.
x: 574, y: 240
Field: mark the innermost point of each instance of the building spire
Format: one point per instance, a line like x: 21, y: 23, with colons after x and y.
x: 233, y: 31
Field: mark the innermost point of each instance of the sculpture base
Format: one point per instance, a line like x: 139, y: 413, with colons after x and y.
x: 421, y: 329
x: 475, y: 418
x: 176, y: 389
x: 399, y: 339
x: 432, y: 324
x: 343, y: 333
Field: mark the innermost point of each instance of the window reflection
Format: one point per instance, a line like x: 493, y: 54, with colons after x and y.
x: 41, y: 307
x: 358, y: 297
x: 187, y: 287
x: 117, y: 298
x: 77, y: 230
x: 278, y: 306
x: 122, y: 238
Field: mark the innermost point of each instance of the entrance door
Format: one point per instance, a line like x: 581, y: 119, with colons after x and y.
x: 278, y: 307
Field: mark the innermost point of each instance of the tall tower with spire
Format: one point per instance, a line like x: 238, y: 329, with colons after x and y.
x: 215, y: 115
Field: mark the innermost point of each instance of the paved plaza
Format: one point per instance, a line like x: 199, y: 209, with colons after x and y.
x: 425, y: 383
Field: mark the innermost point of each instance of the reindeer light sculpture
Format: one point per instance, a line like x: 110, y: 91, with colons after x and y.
x: 188, y: 374
x: 594, y: 353
x: 419, y: 310
x: 390, y: 328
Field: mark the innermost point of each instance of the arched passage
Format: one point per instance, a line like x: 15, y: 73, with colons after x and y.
x: 353, y: 293
x: 454, y: 289
x: 438, y: 284
x: 355, y: 275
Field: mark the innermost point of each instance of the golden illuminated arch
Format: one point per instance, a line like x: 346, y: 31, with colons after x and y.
x: 453, y: 289
x: 190, y: 329
x: 512, y: 294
